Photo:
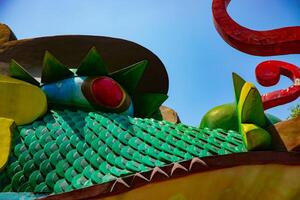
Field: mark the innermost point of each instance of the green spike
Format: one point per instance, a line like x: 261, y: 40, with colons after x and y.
x: 146, y: 104
x: 250, y: 107
x: 17, y: 71
x: 238, y: 83
x: 92, y: 65
x: 130, y: 77
x: 54, y: 70
x: 251, y: 119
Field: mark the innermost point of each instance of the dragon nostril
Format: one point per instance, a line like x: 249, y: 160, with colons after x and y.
x: 107, y: 91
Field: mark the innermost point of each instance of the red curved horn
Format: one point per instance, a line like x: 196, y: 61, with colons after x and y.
x: 262, y: 43
x: 268, y: 74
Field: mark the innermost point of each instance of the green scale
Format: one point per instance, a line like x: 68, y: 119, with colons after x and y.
x: 68, y: 149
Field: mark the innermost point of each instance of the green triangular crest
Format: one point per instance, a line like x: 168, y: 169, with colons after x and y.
x: 92, y: 65
x: 250, y: 107
x: 238, y: 83
x: 146, y: 104
x: 130, y: 77
x: 17, y: 71
x: 251, y: 117
x: 54, y: 70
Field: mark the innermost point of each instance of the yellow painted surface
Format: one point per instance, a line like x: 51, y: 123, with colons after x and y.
x: 252, y: 182
x: 251, y: 119
x: 21, y: 101
x: 6, y: 129
x: 243, y: 96
x: 257, y: 137
x: 240, y: 104
x: 250, y: 108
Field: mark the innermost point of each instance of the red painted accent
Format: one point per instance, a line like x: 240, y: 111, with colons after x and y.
x: 268, y: 74
x: 262, y: 43
x: 107, y: 91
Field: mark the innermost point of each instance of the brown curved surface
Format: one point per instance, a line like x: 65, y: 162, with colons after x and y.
x: 170, y: 115
x: 6, y: 34
x: 182, y: 170
x: 289, y: 133
x: 262, y: 43
x: 71, y: 49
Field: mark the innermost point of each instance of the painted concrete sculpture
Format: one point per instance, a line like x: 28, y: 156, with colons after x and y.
x: 92, y: 129
x: 262, y: 43
x: 268, y: 74
x: 273, y: 42
x: 90, y: 87
x: 246, y: 116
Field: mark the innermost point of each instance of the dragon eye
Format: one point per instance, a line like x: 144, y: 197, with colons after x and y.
x: 107, y: 92
x: 104, y: 93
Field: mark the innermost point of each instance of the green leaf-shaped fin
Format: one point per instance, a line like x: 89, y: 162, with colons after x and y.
x: 92, y: 65
x: 251, y: 117
x: 54, y: 70
x: 17, y: 71
x: 146, y: 104
x: 238, y: 83
x: 130, y: 77
x: 250, y: 107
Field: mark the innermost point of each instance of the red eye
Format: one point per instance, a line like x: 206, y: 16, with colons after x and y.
x: 107, y: 91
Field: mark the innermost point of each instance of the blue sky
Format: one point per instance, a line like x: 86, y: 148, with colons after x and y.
x: 180, y: 33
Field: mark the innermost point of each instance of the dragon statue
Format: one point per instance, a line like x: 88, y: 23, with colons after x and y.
x: 87, y: 123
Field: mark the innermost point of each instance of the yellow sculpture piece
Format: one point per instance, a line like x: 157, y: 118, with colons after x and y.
x: 250, y: 108
x: 268, y: 182
x: 6, y: 129
x: 251, y: 117
x: 257, y: 138
x: 21, y: 101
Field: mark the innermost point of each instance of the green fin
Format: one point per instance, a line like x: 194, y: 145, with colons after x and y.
x: 251, y: 116
x: 238, y: 83
x: 92, y: 65
x: 130, y: 77
x: 17, y: 71
x: 250, y: 107
x: 146, y: 104
x: 54, y: 70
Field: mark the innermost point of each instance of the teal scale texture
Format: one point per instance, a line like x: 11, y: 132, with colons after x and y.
x: 69, y: 150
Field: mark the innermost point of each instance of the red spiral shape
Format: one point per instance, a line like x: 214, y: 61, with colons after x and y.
x: 262, y: 43
x: 268, y: 74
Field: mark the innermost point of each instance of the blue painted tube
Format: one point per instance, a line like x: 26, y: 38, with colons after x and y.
x: 66, y: 92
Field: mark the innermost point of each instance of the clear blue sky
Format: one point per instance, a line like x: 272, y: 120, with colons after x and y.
x: 180, y: 33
